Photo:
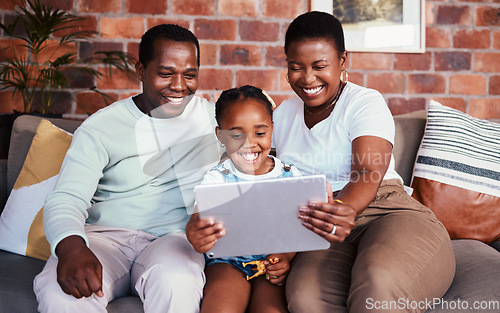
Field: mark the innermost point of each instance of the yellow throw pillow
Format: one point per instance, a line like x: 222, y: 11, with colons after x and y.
x: 21, y: 223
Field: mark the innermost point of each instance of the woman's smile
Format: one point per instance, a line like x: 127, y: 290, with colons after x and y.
x: 314, y: 71
x: 313, y: 91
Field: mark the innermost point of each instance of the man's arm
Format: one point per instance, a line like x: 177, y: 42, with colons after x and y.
x: 79, y: 272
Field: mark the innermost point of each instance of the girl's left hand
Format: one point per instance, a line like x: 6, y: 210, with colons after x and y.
x: 276, y: 273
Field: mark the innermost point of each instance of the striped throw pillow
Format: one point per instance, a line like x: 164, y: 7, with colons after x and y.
x: 457, y: 173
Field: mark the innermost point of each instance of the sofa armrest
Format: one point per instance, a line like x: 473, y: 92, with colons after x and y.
x: 3, y: 184
x: 409, y: 132
x: 496, y: 245
x: 23, y: 131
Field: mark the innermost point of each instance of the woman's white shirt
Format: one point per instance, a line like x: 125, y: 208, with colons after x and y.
x: 326, y: 147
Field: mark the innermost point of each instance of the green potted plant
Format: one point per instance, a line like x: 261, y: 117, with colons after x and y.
x: 44, y: 57
x: 42, y: 61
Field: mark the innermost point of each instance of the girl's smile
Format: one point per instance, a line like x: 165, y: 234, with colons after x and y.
x: 246, y: 130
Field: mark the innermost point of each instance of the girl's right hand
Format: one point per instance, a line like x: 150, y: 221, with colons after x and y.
x: 203, y: 233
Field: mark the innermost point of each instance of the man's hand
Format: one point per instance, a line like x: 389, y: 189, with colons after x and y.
x: 79, y: 272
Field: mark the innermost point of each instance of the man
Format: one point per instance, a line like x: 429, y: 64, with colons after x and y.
x: 116, y: 219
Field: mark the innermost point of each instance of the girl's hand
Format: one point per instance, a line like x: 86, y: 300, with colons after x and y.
x: 323, y: 218
x: 276, y: 273
x: 203, y: 233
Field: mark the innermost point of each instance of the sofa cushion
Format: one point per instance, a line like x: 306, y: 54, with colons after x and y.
x: 457, y: 173
x: 409, y: 132
x: 496, y: 245
x: 3, y: 183
x: 16, y: 287
x: 16, y: 282
x: 21, y: 222
x: 23, y: 131
x: 476, y: 280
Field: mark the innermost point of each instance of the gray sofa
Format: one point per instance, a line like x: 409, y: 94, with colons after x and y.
x: 477, y: 279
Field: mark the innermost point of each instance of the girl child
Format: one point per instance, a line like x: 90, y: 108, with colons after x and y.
x: 245, y: 126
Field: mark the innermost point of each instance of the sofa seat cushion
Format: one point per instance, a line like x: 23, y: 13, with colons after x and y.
x: 496, y: 245
x: 16, y: 287
x: 476, y: 279
x: 16, y: 282
x: 128, y: 304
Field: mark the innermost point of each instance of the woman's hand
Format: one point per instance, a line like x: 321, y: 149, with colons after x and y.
x: 323, y: 218
x: 333, y: 220
x: 276, y: 272
x: 203, y: 233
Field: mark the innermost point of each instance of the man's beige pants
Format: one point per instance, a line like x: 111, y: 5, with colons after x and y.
x: 165, y: 272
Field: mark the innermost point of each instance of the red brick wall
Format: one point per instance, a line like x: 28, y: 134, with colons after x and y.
x: 241, y: 43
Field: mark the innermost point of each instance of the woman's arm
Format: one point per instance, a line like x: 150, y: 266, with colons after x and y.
x: 370, y: 160
x: 334, y: 220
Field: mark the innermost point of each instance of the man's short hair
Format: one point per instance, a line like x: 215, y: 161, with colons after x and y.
x: 164, y: 32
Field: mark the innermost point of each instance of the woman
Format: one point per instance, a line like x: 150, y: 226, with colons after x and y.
x: 389, y: 253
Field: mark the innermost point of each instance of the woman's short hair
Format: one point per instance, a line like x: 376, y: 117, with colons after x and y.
x: 165, y: 32
x: 316, y: 25
x: 231, y: 96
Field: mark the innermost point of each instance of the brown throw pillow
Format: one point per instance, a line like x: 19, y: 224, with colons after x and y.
x: 457, y: 173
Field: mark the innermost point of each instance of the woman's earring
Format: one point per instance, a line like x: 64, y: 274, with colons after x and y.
x: 222, y: 145
x: 344, y: 76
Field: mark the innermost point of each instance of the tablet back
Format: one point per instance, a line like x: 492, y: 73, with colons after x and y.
x: 260, y: 217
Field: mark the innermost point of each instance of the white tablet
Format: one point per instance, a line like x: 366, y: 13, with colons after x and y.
x: 260, y: 217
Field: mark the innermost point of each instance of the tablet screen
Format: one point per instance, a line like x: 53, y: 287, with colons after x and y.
x: 260, y: 217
